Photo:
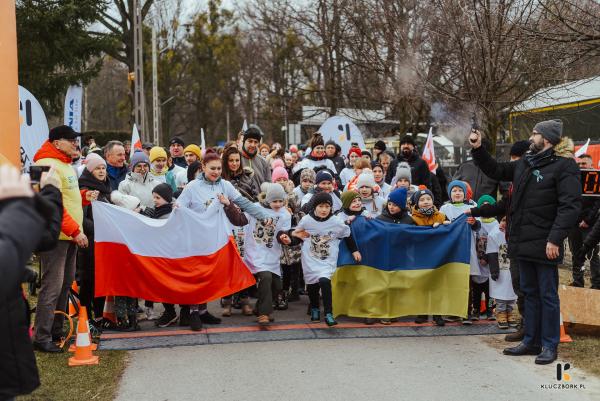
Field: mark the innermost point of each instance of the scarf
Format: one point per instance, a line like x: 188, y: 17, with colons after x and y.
x: 426, y: 212
x: 87, y: 180
x: 533, y: 159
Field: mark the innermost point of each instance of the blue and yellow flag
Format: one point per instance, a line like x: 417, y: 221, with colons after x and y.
x: 405, y: 270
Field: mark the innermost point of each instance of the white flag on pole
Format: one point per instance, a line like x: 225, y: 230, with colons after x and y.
x: 202, y: 142
x: 245, y: 126
x: 136, y: 142
x: 582, y: 150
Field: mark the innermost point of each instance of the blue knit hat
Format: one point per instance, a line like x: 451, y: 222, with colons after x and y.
x: 457, y: 183
x: 398, y: 197
x: 323, y: 175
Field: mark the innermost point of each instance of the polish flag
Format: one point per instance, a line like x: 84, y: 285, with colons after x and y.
x: 429, y: 153
x: 186, y: 259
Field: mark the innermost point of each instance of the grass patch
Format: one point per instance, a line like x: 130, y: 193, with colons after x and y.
x: 582, y: 353
x: 61, y: 382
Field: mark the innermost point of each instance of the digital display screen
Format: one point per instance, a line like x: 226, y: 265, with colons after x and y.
x: 590, y: 181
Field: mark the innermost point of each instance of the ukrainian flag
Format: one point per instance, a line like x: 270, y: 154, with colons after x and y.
x: 405, y: 270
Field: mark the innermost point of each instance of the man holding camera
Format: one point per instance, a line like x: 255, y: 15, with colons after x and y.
x: 58, y: 264
x: 545, y: 205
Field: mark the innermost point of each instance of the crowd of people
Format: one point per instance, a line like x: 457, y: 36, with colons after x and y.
x: 290, y: 209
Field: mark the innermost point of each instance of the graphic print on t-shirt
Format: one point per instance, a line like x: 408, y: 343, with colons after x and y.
x: 503, y: 257
x: 481, y: 246
x: 319, y: 245
x: 264, y: 234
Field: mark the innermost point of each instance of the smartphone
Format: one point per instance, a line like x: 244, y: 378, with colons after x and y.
x: 35, y: 173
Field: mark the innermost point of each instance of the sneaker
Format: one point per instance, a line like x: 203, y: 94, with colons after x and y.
x: 490, y: 316
x: 263, y: 320
x: 330, y: 320
x: 281, y: 303
x: 184, y: 316
x: 195, y: 321
x: 438, y: 320
x: 385, y: 321
x: 247, y: 310
x: 369, y: 321
x: 452, y: 319
x: 315, y: 315
x: 421, y: 319
x: 166, y: 319
x: 474, y: 317
x: 150, y: 314
x: 467, y: 322
x: 207, y: 318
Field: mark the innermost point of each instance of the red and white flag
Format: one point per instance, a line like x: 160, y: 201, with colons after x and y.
x: 429, y: 153
x: 136, y: 142
x: 187, y: 259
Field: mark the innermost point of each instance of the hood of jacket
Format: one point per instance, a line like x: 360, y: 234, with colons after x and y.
x: 565, y: 148
x: 48, y: 151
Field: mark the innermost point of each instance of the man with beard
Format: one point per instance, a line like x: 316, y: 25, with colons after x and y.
x: 418, y: 166
x: 250, y: 141
x: 545, y: 205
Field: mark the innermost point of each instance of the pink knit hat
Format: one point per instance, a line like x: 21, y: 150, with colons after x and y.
x: 279, y: 172
x: 277, y: 163
x: 94, y: 160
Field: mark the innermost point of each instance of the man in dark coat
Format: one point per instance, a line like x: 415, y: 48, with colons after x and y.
x: 408, y: 153
x: 545, y: 204
x: 25, y: 221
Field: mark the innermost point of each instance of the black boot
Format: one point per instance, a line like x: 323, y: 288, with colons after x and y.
x: 438, y: 320
x: 522, y: 349
x: 207, y: 318
x: 547, y: 356
x: 133, y: 323
x: 184, y: 316
x: 195, y: 321
x: 421, y: 319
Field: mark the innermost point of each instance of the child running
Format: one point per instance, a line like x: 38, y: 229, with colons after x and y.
x: 321, y: 232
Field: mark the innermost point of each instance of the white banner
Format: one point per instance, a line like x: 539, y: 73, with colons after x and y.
x: 343, y: 132
x: 73, y: 102
x: 33, y: 126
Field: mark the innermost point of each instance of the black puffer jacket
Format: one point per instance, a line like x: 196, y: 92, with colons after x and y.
x: 418, y: 167
x: 399, y: 218
x: 338, y: 161
x: 21, y: 229
x: 545, y: 201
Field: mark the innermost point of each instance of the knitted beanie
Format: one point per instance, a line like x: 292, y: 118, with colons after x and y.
x: 347, y: 198
x: 486, y: 198
x: 366, y: 179
x: 165, y: 191
x: 277, y: 163
x: 380, y: 145
x: 274, y: 192
x: 141, y: 157
x: 323, y: 175
x: 398, y: 197
x: 279, y: 172
x: 403, y: 171
x: 94, y: 160
x: 156, y: 153
x: 550, y: 129
x: 321, y: 197
x: 308, y: 174
x: 417, y: 195
x: 457, y: 183
x: 193, y: 148
x: 519, y: 148
x: 408, y: 139
x: 355, y: 150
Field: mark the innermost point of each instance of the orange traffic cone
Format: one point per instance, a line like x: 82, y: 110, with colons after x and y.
x: 72, y: 309
x: 83, y: 348
x: 94, y: 346
x: 109, y: 309
x: 564, y: 337
x: 483, y: 304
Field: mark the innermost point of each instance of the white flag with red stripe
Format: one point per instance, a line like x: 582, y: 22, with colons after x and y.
x: 187, y: 259
x: 429, y: 153
x: 136, y: 142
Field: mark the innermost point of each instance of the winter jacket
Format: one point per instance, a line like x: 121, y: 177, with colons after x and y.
x: 49, y: 203
x: 72, y: 219
x: 545, y: 202
x: 260, y: 168
x: 336, y: 159
x: 399, y: 218
x: 418, y: 167
x: 116, y: 175
x: 139, y: 186
x: 245, y: 183
x: 422, y: 220
x: 162, y: 212
x: 480, y: 183
x: 21, y: 228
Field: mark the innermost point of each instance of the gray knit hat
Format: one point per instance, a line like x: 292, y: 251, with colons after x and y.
x: 550, y: 129
x: 403, y: 171
x: 308, y: 174
x: 274, y: 192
